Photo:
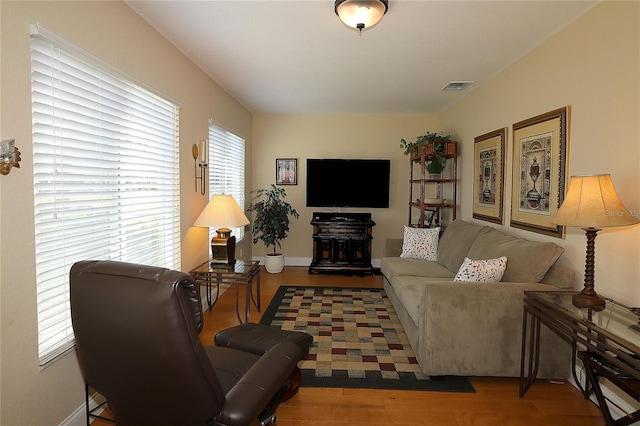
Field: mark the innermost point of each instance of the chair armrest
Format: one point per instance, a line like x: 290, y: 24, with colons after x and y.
x: 246, y: 400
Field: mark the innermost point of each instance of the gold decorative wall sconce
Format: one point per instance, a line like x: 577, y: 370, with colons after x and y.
x: 203, y: 165
x: 9, y: 156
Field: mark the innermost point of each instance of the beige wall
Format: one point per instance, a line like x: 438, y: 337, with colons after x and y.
x: 335, y: 136
x: 113, y: 32
x: 593, y: 66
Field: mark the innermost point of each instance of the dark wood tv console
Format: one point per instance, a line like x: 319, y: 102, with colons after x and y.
x: 342, y: 243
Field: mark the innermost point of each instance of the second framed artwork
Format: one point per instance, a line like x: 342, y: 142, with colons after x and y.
x: 286, y: 171
x: 488, y: 179
x: 540, y: 146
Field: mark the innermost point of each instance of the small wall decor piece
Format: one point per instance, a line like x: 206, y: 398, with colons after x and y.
x: 488, y: 181
x: 540, y: 146
x: 203, y: 166
x: 9, y: 156
x: 286, y: 171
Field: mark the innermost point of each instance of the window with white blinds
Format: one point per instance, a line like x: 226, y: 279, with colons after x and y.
x: 226, y: 169
x: 106, y: 177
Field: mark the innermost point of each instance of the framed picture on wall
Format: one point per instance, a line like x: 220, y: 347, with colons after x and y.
x: 488, y: 179
x: 540, y: 146
x: 286, y: 171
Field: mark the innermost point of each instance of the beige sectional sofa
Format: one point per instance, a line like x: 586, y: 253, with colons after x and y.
x: 472, y: 328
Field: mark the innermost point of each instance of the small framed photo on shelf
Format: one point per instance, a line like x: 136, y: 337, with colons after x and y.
x: 428, y: 217
x: 286, y: 171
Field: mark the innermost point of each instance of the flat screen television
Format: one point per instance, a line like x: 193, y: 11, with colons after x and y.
x: 348, y: 183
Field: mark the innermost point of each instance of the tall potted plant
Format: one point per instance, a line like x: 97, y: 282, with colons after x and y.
x: 271, y: 223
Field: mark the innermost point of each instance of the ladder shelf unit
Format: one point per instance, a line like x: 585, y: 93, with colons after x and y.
x: 433, y: 198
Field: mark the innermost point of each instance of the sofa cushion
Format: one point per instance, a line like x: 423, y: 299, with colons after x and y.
x: 482, y: 271
x: 528, y: 262
x: 392, y: 247
x: 393, y: 267
x: 561, y: 277
x: 420, y: 243
x: 455, y: 243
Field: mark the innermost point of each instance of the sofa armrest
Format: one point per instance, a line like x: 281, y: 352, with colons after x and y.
x: 476, y: 329
x: 393, y: 247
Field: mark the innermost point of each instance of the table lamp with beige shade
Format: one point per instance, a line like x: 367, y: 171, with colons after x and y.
x: 223, y: 212
x: 592, y: 203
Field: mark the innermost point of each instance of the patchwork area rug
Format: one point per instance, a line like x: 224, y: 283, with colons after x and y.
x: 358, y: 341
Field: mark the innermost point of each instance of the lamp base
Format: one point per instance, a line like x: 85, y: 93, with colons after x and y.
x: 588, y: 298
x: 223, y: 248
x: 588, y: 301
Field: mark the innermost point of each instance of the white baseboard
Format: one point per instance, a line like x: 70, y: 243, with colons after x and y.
x: 304, y: 261
x: 288, y: 260
x: 620, y: 404
x: 79, y: 415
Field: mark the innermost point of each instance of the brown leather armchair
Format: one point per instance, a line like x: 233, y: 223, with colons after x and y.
x: 136, y: 330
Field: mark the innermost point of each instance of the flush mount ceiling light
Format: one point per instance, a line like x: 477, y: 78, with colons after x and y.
x: 361, y: 14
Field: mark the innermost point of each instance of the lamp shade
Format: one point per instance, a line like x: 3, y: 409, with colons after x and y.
x: 222, y: 211
x: 592, y: 202
x: 360, y: 14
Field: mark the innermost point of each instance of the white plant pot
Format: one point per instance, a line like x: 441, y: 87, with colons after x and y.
x: 274, y: 263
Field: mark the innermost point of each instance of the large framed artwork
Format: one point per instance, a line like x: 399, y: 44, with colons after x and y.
x: 540, y: 147
x: 286, y: 171
x: 488, y: 179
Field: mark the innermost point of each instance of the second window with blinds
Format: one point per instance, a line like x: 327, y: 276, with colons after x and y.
x: 226, y: 169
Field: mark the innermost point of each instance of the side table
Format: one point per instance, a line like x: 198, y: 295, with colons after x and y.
x: 241, y: 273
x: 606, y: 341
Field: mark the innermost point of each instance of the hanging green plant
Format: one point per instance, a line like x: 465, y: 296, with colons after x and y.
x: 438, y: 138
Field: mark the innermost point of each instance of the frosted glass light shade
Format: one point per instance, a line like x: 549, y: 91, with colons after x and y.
x: 361, y: 14
x: 222, y: 211
x: 592, y: 201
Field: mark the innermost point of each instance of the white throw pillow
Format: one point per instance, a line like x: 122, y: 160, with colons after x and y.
x: 420, y: 243
x: 482, y: 271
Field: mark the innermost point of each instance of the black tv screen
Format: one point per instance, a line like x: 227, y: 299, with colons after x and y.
x: 348, y: 183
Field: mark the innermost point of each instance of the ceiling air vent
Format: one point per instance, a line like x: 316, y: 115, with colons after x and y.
x: 457, y: 85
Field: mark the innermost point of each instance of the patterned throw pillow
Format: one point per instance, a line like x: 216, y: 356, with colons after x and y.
x: 482, y: 271
x: 420, y: 243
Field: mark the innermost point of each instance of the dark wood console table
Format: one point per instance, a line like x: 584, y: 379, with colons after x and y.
x: 607, y: 342
x: 342, y: 243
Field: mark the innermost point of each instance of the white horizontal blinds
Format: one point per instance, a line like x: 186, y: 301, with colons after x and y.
x: 106, y: 178
x: 226, y: 168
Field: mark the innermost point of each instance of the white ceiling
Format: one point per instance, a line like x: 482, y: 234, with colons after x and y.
x: 296, y: 57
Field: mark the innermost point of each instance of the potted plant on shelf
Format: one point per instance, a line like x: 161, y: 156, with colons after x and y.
x: 433, y: 145
x: 271, y: 223
x: 438, y: 141
x: 435, y: 166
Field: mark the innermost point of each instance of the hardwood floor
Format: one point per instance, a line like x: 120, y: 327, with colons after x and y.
x: 495, y: 402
